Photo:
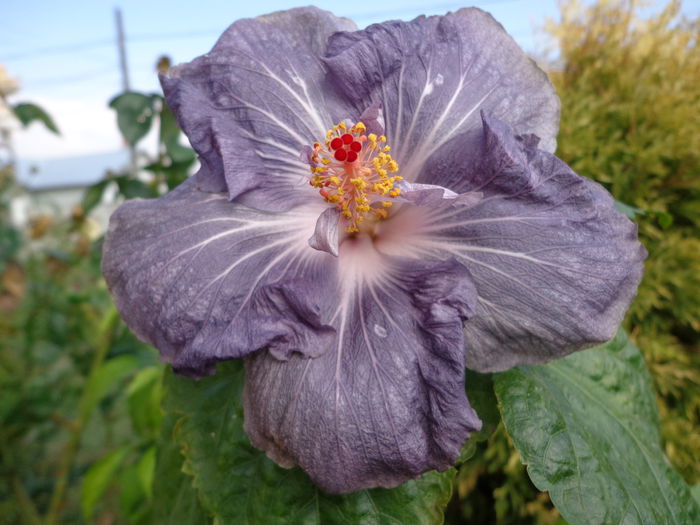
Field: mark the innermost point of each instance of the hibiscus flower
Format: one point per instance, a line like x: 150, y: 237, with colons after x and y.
x: 375, y: 210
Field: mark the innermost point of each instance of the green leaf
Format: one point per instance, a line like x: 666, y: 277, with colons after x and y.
x: 588, y: 429
x: 482, y: 398
x: 132, y: 188
x: 106, y: 377
x: 147, y: 469
x: 97, y: 479
x: 629, y: 211
x: 28, y: 113
x: 175, y: 500
x: 93, y: 196
x: 695, y: 491
x: 143, y: 397
x: 238, y: 484
x: 134, y: 114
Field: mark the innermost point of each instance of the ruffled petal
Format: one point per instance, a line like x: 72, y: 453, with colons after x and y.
x: 326, y: 235
x: 203, y: 279
x: 555, y: 264
x: 433, y: 75
x: 386, y: 402
x: 252, y: 103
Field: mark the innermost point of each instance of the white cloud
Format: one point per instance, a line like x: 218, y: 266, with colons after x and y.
x: 87, y: 126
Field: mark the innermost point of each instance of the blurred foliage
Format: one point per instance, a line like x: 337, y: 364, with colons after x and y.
x: 80, y: 397
x: 74, y: 382
x: 148, y: 176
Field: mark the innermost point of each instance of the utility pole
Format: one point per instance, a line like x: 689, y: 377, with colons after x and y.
x: 126, y: 86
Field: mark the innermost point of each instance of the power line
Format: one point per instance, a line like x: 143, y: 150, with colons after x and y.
x: 93, y: 44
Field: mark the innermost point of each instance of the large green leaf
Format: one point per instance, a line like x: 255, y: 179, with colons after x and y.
x: 587, y: 427
x: 175, y: 500
x: 238, y: 484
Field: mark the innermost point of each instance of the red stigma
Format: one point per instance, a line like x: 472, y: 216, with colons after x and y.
x: 356, y: 147
x: 336, y: 143
x: 352, y: 156
x: 341, y: 155
x: 347, y: 138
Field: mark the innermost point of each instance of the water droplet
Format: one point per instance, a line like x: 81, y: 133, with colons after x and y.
x: 380, y: 330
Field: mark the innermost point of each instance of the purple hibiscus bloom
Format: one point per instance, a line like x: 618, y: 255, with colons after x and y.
x: 375, y: 210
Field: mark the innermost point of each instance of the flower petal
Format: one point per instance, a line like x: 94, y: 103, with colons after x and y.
x: 555, y: 264
x: 327, y: 232
x: 203, y: 279
x: 433, y: 75
x: 252, y: 103
x: 385, y: 403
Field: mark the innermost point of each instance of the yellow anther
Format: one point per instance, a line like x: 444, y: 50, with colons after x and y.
x: 386, y: 149
x: 382, y: 139
x: 387, y: 204
x: 372, y: 137
x: 359, y: 128
x: 393, y: 166
x: 326, y: 161
x: 342, y: 126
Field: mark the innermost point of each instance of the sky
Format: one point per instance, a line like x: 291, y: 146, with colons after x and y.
x: 65, y: 52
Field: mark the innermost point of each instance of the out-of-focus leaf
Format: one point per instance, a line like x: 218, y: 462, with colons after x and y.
x: 147, y: 469
x: 10, y: 242
x: 482, y: 398
x: 588, y: 429
x: 93, y: 196
x: 28, y: 113
x: 629, y: 211
x: 98, y: 478
x: 238, y: 484
x: 132, y: 498
x: 170, y: 136
x: 175, y: 500
x: 134, y: 114
x: 143, y: 397
x: 132, y: 188
x: 109, y: 374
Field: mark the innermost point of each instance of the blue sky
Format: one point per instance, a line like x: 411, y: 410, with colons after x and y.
x: 65, y: 54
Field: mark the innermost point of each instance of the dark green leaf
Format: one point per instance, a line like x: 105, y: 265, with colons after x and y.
x: 132, y: 188
x: 134, y: 115
x: 174, y: 498
x: 10, y: 243
x: 98, y: 478
x: 588, y: 429
x: 238, y: 484
x: 482, y: 399
x: 93, y: 196
x: 28, y: 113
